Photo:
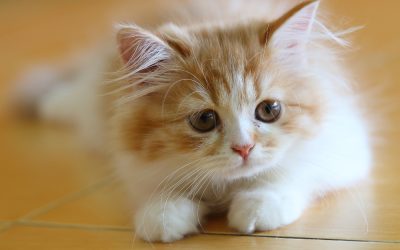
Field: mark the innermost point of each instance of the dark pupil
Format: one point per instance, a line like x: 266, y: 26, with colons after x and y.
x: 206, y: 118
x: 270, y: 107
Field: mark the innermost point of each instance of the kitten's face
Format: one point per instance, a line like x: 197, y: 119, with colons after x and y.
x: 231, y: 107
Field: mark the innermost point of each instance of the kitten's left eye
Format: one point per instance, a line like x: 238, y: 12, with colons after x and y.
x: 204, y: 121
x: 268, y: 111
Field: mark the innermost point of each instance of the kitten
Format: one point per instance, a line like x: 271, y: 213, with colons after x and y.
x: 254, y: 117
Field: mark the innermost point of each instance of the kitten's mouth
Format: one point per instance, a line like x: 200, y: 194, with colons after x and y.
x: 244, y: 165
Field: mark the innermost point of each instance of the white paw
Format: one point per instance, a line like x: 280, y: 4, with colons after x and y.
x: 168, y: 221
x: 264, y: 210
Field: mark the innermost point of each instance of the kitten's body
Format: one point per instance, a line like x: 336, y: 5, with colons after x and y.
x: 319, y: 143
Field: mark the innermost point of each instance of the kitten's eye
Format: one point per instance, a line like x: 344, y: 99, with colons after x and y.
x: 204, y: 121
x: 268, y: 111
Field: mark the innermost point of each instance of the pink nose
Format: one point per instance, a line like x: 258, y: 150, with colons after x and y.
x: 243, y: 150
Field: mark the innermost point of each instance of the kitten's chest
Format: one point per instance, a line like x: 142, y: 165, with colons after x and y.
x: 219, y: 197
x: 217, y: 201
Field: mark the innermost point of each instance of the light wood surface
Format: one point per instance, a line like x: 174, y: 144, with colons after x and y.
x: 56, y: 195
x: 34, y: 237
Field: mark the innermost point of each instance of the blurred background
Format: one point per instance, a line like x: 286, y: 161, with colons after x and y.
x: 48, y: 179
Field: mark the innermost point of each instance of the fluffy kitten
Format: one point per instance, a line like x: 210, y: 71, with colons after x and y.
x: 254, y: 117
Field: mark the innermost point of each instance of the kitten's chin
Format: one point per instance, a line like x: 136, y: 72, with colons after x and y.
x: 244, y: 170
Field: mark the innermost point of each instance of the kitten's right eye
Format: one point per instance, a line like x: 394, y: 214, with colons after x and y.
x: 204, y: 121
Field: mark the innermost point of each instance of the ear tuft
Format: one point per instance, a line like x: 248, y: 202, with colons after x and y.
x: 177, y: 38
x: 139, y: 49
x: 292, y: 31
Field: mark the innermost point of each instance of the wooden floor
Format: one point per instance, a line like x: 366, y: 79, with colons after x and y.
x: 56, y: 195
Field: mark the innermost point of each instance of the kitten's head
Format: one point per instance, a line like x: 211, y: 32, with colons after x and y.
x: 232, y: 100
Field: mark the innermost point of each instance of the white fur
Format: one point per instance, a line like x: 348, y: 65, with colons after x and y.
x: 167, y: 221
x: 266, y: 209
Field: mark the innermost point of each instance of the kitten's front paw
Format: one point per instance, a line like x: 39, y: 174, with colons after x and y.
x: 261, y: 211
x: 168, y: 221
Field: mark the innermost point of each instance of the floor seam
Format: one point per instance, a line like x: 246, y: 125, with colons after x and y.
x: 6, y: 225
x: 65, y: 199
x: 73, y: 226
x: 306, y: 238
x: 128, y: 229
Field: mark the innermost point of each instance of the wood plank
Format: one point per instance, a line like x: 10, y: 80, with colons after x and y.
x: 60, y: 238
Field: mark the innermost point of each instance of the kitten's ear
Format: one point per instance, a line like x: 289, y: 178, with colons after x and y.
x: 139, y: 49
x: 291, y: 32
